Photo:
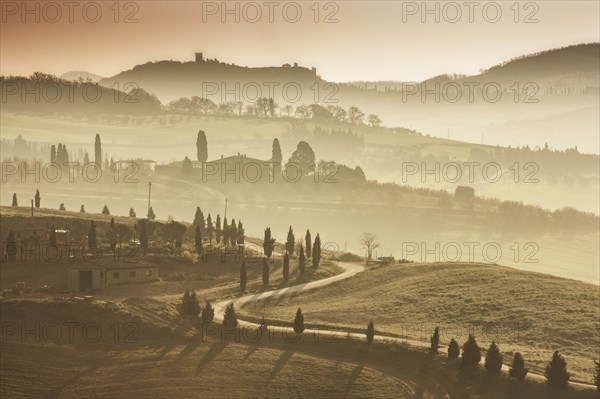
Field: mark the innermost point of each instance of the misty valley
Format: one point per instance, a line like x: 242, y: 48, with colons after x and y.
x: 332, y: 211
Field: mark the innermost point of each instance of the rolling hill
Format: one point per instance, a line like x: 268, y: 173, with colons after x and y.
x: 525, y: 312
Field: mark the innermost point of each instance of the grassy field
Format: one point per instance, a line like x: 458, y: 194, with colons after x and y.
x: 157, y: 357
x: 208, y: 370
x: 531, y: 313
x: 161, y: 358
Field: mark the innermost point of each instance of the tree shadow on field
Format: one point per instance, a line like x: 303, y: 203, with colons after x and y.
x: 251, y: 350
x: 55, y: 393
x: 212, y: 353
x: 190, y: 347
x: 352, y: 379
x: 280, y: 364
x: 172, y: 342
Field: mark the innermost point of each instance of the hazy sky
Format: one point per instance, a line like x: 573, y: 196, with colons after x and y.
x: 371, y: 40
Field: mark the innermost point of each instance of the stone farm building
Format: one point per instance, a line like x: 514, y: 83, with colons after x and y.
x: 98, y: 275
x: 234, y: 169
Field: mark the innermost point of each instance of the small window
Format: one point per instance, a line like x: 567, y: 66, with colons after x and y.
x: 148, y: 273
x: 116, y: 275
x: 132, y: 274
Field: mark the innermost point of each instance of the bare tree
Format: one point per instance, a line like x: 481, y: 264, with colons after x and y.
x: 369, y: 243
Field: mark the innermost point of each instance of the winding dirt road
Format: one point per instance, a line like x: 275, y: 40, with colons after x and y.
x: 350, y: 269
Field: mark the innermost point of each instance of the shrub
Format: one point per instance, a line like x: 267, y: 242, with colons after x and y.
x: 189, y: 304
x: 435, y: 340
x: 518, y: 370
x: 208, y: 313
x: 453, y: 350
x: 556, y: 374
x: 230, y: 321
x: 471, y: 354
x: 493, y: 359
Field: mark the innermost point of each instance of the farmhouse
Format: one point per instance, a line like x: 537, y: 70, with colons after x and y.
x: 96, y: 276
x: 30, y: 231
x: 237, y: 168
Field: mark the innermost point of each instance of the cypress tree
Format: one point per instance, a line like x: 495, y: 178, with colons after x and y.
x: 289, y: 244
x: 14, y: 201
x: 151, y: 214
x: 265, y: 274
x: 218, y: 229
x: 198, y: 240
x: 143, y: 236
x: 199, y: 219
x: 435, y: 340
x: 201, y: 146
x: 230, y: 321
x: 301, y: 261
x: 316, y: 254
x: 208, y: 312
x: 105, y: 210
x: 471, y: 354
x: 98, y: 151
x: 233, y: 233
x: 209, y: 228
x: 299, y: 322
x: 131, y: 213
x: 453, y: 350
x: 243, y: 278
x: 268, y: 243
x: 225, y: 231
x: 37, y: 198
x: 556, y: 374
x: 82, y: 209
x: 240, y: 233
x: 370, y: 332
x: 276, y: 156
x: 518, y: 370
x: 308, y: 241
x: 52, y: 236
x: 92, y: 236
x: 112, y: 234
x: 493, y: 359
x: 286, y: 267
x: 53, y: 153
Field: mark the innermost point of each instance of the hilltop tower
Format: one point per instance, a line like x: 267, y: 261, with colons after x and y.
x: 199, y: 57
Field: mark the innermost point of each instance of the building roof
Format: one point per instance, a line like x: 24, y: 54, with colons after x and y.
x: 240, y: 158
x: 29, y: 226
x: 107, y: 262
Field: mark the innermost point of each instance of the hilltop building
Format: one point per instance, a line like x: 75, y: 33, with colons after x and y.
x: 199, y: 58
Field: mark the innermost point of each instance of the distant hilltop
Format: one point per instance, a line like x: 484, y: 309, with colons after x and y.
x: 81, y: 75
x: 200, y: 58
x: 202, y: 77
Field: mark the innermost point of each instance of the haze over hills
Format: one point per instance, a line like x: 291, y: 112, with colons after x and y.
x: 576, y: 65
x: 83, y: 75
x: 534, y: 87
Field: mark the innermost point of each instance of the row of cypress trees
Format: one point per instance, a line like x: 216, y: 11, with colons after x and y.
x: 556, y: 372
